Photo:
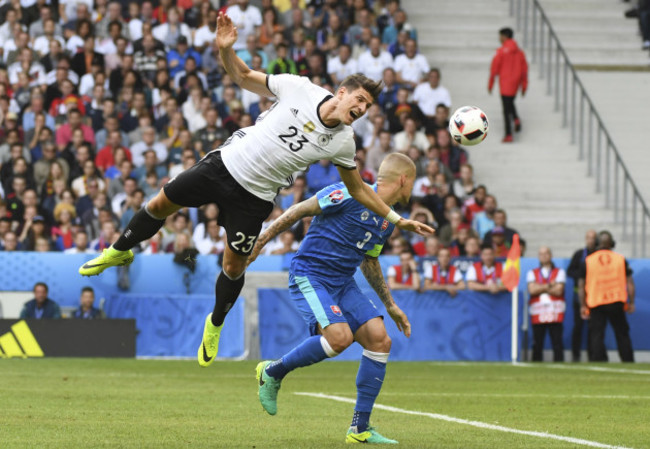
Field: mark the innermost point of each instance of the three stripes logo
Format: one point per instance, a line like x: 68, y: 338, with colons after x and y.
x: 19, y: 342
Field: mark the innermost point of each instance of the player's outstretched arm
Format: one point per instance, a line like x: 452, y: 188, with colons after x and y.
x: 372, y: 272
x: 364, y: 194
x: 240, y: 73
x: 307, y: 208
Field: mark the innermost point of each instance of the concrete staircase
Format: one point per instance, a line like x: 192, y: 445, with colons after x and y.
x: 537, y: 179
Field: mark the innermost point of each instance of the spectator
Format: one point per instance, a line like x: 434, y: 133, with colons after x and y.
x: 176, y: 57
x: 499, y: 243
x: 379, y: 150
x: 321, y: 175
x: 509, y: 64
x: 449, y: 231
x: 285, y: 244
x: 404, y: 276
x: 122, y: 199
x: 170, y: 31
x: 43, y: 166
x: 483, y: 221
x: 282, y: 64
x: 475, y: 204
x: 442, y: 276
x: 294, y: 194
x: 212, y: 135
x: 64, y: 213
x: 426, y: 185
x: 374, y: 60
x: 82, y: 62
x: 150, y: 165
x: 389, y: 34
x: 41, y: 307
x: 148, y: 143
x: 247, y: 18
x: 33, y: 229
x: 547, y: 306
x: 607, y: 292
x: 500, y: 220
x: 107, y: 236
x: 80, y: 244
x: 207, y: 33
x: 363, y: 21
x: 64, y: 132
x: 342, y: 65
x: 411, y: 66
x: 464, y: 185
x: 451, y: 155
x: 401, y: 110
x: 106, y: 156
x: 410, y: 136
x: 485, y: 276
x: 212, y: 242
x: 429, y: 94
x: 10, y: 242
x: 573, y: 271
x: 86, y: 310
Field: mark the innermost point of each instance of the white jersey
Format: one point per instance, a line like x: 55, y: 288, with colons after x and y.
x: 287, y: 138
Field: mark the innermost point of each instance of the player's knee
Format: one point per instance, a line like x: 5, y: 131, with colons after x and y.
x: 340, y: 340
x: 386, y: 344
x: 233, y: 269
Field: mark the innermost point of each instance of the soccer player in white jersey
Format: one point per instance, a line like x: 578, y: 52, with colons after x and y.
x: 243, y: 176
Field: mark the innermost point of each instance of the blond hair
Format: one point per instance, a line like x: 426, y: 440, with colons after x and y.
x: 394, y: 165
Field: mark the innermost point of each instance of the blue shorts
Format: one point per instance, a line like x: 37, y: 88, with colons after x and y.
x: 322, y: 304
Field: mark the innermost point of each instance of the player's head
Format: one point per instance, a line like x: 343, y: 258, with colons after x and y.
x: 397, y: 173
x: 356, y: 94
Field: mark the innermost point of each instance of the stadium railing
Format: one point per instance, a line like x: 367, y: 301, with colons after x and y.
x: 604, y: 161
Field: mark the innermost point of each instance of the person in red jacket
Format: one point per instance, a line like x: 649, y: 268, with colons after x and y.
x: 509, y: 64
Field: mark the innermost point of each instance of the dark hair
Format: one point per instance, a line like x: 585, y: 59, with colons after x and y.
x: 486, y: 246
x: 358, y: 80
x: 87, y: 289
x: 41, y: 284
x: 507, y: 32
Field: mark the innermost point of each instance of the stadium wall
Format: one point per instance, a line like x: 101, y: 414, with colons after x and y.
x: 169, y: 303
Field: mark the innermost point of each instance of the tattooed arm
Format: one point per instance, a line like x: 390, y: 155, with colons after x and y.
x: 372, y: 272
x: 307, y: 208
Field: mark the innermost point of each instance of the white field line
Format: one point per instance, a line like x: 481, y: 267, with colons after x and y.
x: 478, y: 424
x: 521, y: 395
x: 602, y: 369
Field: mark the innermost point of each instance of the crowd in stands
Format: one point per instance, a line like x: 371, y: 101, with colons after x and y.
x: 101, y: 103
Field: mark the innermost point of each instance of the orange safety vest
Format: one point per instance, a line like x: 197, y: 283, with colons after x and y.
x: 439, y: 277
x: 482, y: 277
x: 546, y: 308
x: 606, y: 280
x: 399, y: 276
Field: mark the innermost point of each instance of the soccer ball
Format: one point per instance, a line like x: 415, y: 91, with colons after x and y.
x: 468, y: 125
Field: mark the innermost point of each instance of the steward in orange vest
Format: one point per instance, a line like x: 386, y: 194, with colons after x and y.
x: 606, y: 291
x: 547, y: 306
x: 443, y: 276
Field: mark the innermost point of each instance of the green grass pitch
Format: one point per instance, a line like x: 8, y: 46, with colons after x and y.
x: 94, y: 403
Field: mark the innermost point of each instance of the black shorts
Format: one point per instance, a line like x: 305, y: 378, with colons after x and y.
x: 240, y: 212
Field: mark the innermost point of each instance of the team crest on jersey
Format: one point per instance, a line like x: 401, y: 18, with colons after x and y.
x: 309, y: 127
x: 384, y: 225
x: 324, y: 139
x: 365, y: 215
x: 336, y: 196
x: 336, y: 310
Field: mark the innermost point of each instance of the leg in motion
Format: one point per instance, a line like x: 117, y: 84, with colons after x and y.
x: 144, y: 224
x: 227, y: 289
x: 370, y: 377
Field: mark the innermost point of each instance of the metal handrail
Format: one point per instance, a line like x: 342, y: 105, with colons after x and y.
x: 542, y: 51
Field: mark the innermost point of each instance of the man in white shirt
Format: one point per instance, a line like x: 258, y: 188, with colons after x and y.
x: 430, y: 94
x: 411, y: 66
x: 306, y: 124
x: 342, y: 65
x: 373, y: 62
x: 411, y: 137
x: 148, y: 143
x: 247, y: 18
x: 207, y: 33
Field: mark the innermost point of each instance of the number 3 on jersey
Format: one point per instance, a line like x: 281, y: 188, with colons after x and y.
x: 250, y: 241
x: 293, y: 132
x: 361, y: 243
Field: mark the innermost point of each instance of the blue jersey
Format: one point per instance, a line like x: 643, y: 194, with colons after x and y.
x: 340, y: 237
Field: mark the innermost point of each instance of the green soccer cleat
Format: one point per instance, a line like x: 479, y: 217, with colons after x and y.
x: 268, y: 388
x: 370, y: 436
x: 108, y: 258
x: 210, y: 343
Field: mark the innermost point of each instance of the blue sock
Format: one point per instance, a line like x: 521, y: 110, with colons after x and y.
x: 306, y: 353
x: 370, y: 378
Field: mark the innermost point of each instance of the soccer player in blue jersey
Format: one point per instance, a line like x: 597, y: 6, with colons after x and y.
x: 343, y: 235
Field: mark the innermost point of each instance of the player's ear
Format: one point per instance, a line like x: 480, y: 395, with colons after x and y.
x: 340, y: 92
